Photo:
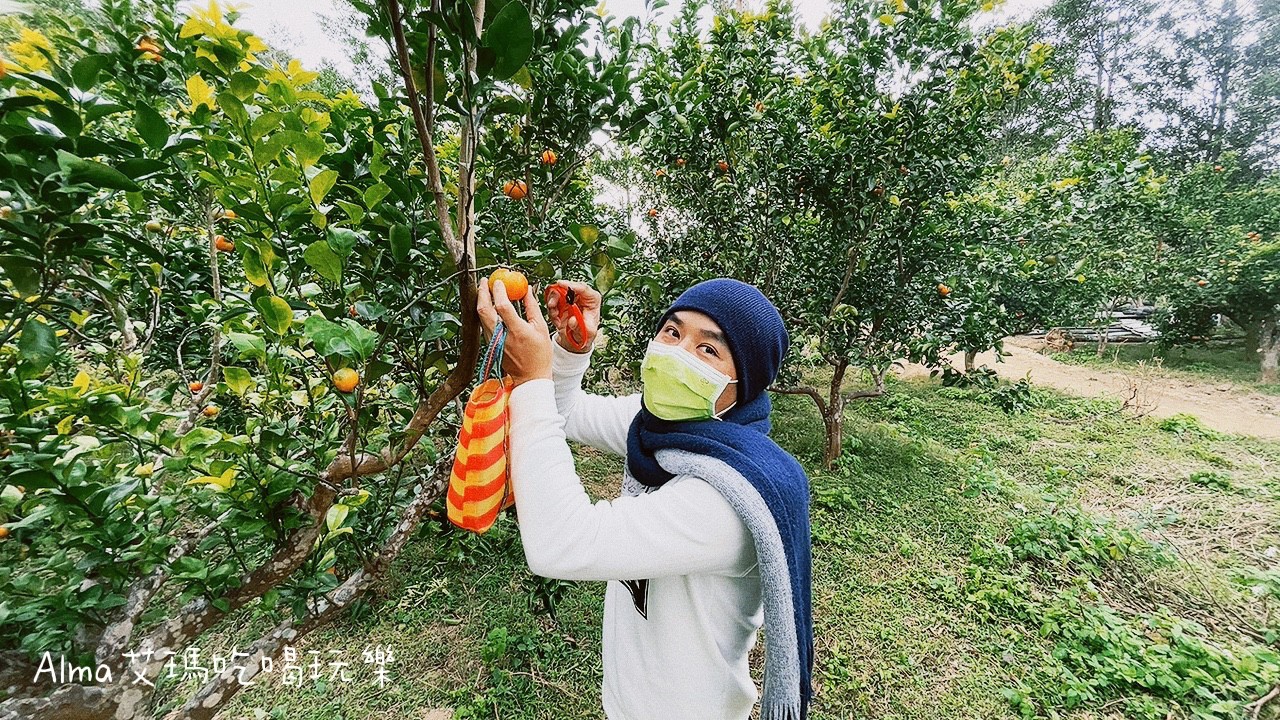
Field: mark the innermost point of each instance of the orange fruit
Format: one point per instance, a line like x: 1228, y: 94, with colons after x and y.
x: 943, y: 290
x: 653, y: 212
x: 222, y: 243
x: 661, y: 172
x: 515, y: 189
x: 229, y: 215
x: 1202, y: 282
x: 4, y: 532
x: 679, y: 162
x: 759, y: 106
x: 346, y: 380
x: 146, y: 44
x: 211, y: 411
x: 196, y: 386
x: 514, y: 281
x: 549, y: 157
x: 722, y: 166
x: 1217, y: 168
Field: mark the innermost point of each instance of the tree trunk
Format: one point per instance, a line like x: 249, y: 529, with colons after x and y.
x: 833, y: 419
x: 970, y: 357
x: 1252, y: 337
x: 1269, y: 349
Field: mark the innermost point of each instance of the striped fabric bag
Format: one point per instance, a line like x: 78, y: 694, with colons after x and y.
x: 480, y: 485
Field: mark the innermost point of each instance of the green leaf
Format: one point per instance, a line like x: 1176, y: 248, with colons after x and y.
x: 255, y: 271
x: 606, y: 272
x: 249, y: 346
x: 321, y: 184
x: 324, y: 261
x: 342, y: 240
x: 198, y: 437
x: 510, y: 36
x: 329, y: 337
x: 238, y: 379
x: 85, y: 72
x: 375, y: 194
x: 233, y: 108
x: 276, y: 313
x: 243, y: 85
x: 23, y: 272
x: 38, y: 345
x: 151, y: 125
x: 401, y: 240
x: 88, y: 172
x: 66, y: 119
x: 361, y: 339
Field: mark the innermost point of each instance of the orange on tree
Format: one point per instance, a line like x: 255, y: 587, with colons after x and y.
x: 722, y: 166
x: 653, y: 212
x: 514, y: 281
x: 211, y: 411
x: 195, y: 387
x: 229, y: 215
x: 660, y: 172
x: 4, y: 532
x: 1202, y: 282
x: 1217, y: 168
x: 943, y: 290
x: 222, y: 243
x: 515, y: 189
x: 346, y: 380
x: 549, y: 157
x: 146, y: 44
x: 680, y: 162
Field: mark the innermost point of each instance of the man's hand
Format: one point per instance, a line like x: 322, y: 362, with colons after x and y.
x: 527, y: 353
x: 586, y: 298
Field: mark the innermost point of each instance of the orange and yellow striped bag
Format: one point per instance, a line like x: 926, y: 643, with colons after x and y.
x: 480, y: 484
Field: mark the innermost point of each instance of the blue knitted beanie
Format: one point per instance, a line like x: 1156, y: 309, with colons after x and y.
x: 751, y: 324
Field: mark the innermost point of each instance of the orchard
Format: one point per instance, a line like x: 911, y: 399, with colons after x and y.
x: 238, y: 327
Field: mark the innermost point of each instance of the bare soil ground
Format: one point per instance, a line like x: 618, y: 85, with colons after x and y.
x: 1223, y: 406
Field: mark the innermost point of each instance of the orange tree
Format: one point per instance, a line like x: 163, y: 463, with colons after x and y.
x: 818, y: 166
x: 1221, y: 258
x: 236, y: 315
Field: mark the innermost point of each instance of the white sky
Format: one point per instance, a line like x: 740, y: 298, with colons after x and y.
x: 294, y: 27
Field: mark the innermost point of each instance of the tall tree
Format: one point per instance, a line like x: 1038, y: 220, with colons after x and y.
x: 1214, y: 84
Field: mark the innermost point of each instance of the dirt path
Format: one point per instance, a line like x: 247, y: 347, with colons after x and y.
x: 1221, y: 406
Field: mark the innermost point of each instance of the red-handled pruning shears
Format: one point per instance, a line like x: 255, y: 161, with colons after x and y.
x: 565, y: 301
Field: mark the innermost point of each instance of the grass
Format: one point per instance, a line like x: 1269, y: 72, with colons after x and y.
x: 1213, y: 363
x: 962, y: 558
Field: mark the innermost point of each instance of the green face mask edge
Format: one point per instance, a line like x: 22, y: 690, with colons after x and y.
x: 677, y: 386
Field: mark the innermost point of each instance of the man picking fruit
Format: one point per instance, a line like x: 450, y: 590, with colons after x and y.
x: 710, y: 538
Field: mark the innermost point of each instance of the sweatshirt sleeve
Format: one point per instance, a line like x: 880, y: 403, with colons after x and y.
x: 597, y: 420
x: 686, y: 527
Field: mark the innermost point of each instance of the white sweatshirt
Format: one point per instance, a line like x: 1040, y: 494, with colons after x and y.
x: 688, y: 659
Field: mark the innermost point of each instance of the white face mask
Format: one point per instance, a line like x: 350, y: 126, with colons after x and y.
x: 679, y: 386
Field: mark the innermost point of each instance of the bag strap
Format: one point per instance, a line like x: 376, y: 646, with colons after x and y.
x: 494, y: 352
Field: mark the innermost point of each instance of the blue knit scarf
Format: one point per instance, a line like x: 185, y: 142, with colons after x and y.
x: 770, y: 491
